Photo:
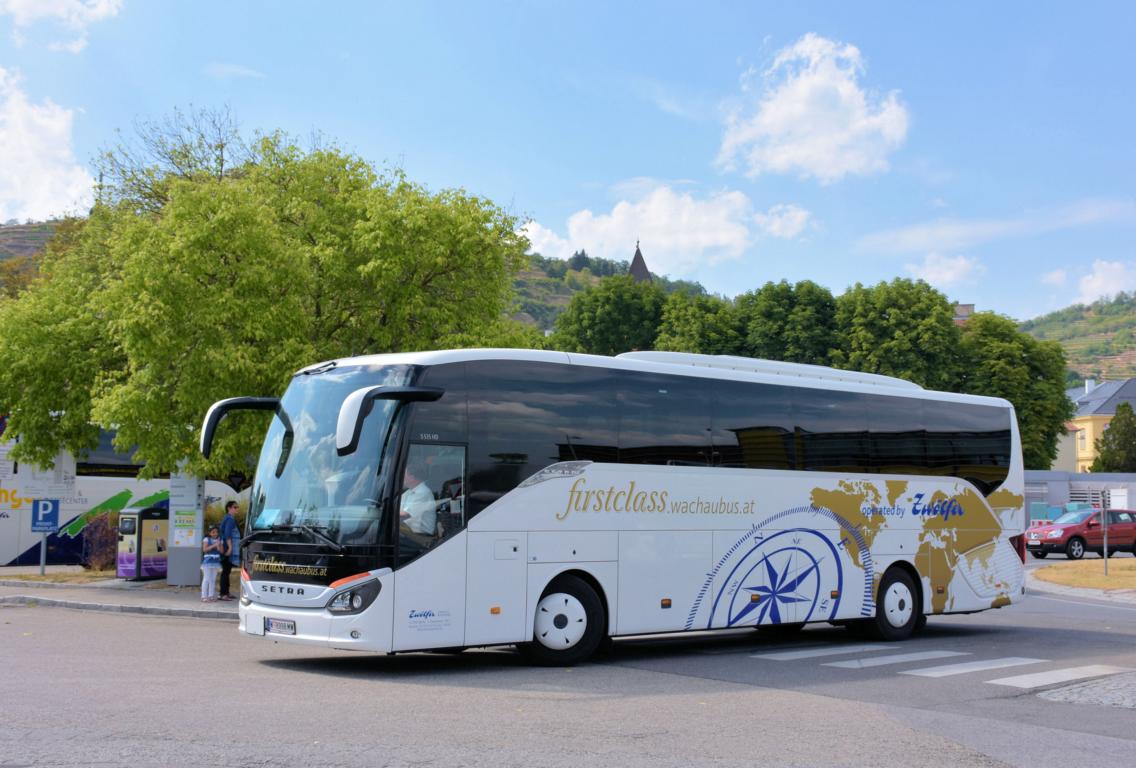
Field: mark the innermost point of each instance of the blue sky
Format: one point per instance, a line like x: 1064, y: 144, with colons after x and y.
x: 985, y: 147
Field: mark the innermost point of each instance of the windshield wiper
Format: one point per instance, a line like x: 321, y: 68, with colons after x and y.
x: 313, y: 533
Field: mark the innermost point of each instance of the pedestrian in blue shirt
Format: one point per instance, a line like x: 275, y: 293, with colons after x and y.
x: 230, y: 551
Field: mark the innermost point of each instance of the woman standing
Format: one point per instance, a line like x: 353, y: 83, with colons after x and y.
x: 211, y: 548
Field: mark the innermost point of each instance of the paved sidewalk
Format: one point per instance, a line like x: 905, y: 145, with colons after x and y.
x: 115, y: 595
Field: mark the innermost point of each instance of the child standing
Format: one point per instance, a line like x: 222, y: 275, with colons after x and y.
x: 211, y: 547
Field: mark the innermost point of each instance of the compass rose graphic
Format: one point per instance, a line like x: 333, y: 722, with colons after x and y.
x: 794, y: 582
x: 782, y: 578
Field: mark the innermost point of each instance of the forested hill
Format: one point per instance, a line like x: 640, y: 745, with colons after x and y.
x: 546, y: 286
x: 1099, y: 338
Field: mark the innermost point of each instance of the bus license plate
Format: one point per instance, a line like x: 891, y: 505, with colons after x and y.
x: 280, y: 626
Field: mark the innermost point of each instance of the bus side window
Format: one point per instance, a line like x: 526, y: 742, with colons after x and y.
x: 664, y: 420
x: 526, y: 415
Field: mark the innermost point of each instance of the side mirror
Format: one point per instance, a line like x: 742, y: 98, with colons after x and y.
x: 221, y: 408
x: 1093, y: 523
x: 359, y: 403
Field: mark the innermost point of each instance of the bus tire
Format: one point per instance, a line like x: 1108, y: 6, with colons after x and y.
x: 897, y: 607
x: 1075, y: 549
x: 569, y: 624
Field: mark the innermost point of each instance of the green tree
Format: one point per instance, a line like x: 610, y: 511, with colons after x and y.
x: 792, y: 323
x: 1000, y: 361
x: 1116, y: 448
x: 903, y: 328
x: 188, y: 286
x: 617, y: 315
x: 702, y: 324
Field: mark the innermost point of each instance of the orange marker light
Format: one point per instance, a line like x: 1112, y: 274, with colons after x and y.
x: 495, y: 610
x: 755, y: 598
x: 834, y: 594
x: 665, y: 602
x: 348, y: 579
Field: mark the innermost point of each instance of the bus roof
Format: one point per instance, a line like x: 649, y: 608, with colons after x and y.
x: 686, y: 364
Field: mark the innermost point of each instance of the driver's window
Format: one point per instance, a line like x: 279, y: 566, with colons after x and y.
x: 431, y: 498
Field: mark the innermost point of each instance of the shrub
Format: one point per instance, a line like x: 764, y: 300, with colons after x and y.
x: 100, y: 543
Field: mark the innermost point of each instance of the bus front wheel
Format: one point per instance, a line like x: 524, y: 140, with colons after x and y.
x: 897, y: 607
x: 568, y: 626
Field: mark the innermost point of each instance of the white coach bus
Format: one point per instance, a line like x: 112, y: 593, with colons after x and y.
x: 486, y: 497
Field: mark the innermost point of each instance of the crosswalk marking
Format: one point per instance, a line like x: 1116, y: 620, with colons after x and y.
x: 1039, y: 679
x: 828, y: 650
x: 894, y: 658
x: 947, y: 670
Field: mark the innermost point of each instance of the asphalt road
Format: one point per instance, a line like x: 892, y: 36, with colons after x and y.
x: 84, y: 688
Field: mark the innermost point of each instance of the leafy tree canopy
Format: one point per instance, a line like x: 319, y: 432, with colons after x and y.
x: 701, y: 324
x: 200, y: 276
x: 792, y: 323
x: 903, y: 328
x: 999, y: 360
x: 618, y: 315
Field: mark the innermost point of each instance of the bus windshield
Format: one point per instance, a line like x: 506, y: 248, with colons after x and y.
x: 300, y: 480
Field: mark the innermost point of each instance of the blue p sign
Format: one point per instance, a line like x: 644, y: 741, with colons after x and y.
x: 45, y: 515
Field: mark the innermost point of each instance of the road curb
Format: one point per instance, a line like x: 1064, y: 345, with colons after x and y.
x: 1036, y: 585
x: 151, y: 610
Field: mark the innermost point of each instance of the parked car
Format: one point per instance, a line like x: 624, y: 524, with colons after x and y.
x: 1076, y: 533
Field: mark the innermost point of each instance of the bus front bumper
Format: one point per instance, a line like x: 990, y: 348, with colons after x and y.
x: 311, y: 626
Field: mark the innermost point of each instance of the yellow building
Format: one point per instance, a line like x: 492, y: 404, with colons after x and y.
x: 1096, y: 406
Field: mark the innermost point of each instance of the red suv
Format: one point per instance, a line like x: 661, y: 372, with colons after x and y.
x: 1075, y: 533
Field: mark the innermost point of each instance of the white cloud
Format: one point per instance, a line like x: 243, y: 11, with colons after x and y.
x: 222, y: 71
x: 1107, y: 279
x: 679, y: 232
x: 812, y: 117
x: 41, y: 177
x: 73, y: 15
x: 1057, y: 278
x: 785, y: 221
x: 945, y: 271
x: 959, y: 234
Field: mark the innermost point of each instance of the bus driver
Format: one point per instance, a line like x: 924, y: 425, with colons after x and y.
x: 417, y: 510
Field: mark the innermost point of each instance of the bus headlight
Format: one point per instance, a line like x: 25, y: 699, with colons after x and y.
x: 356, y: 599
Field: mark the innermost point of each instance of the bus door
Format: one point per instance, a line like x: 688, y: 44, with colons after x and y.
x: 430, y: 580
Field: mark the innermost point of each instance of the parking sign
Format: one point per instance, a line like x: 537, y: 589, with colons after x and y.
x: 45, y: 515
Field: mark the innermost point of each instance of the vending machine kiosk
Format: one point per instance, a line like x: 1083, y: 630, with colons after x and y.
x: 143, y: 543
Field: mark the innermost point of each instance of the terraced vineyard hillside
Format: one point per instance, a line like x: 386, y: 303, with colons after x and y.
x: 1099, y: 339
x: 24, y: 239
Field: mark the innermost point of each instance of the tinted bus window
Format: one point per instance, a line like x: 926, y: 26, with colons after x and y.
x: 524, y: 416
x: 444, y: 420
x: 979, y: 442
x: 664, y: 419
x: 832, y: 430
x: 752, y: 426
x: 898, y: 441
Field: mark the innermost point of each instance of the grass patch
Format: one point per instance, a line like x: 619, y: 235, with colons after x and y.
x: 75, y: 577
x: 1090, y: 573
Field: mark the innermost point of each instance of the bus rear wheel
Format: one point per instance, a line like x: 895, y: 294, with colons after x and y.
x: 897, y: 607
x: 568, y: 626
